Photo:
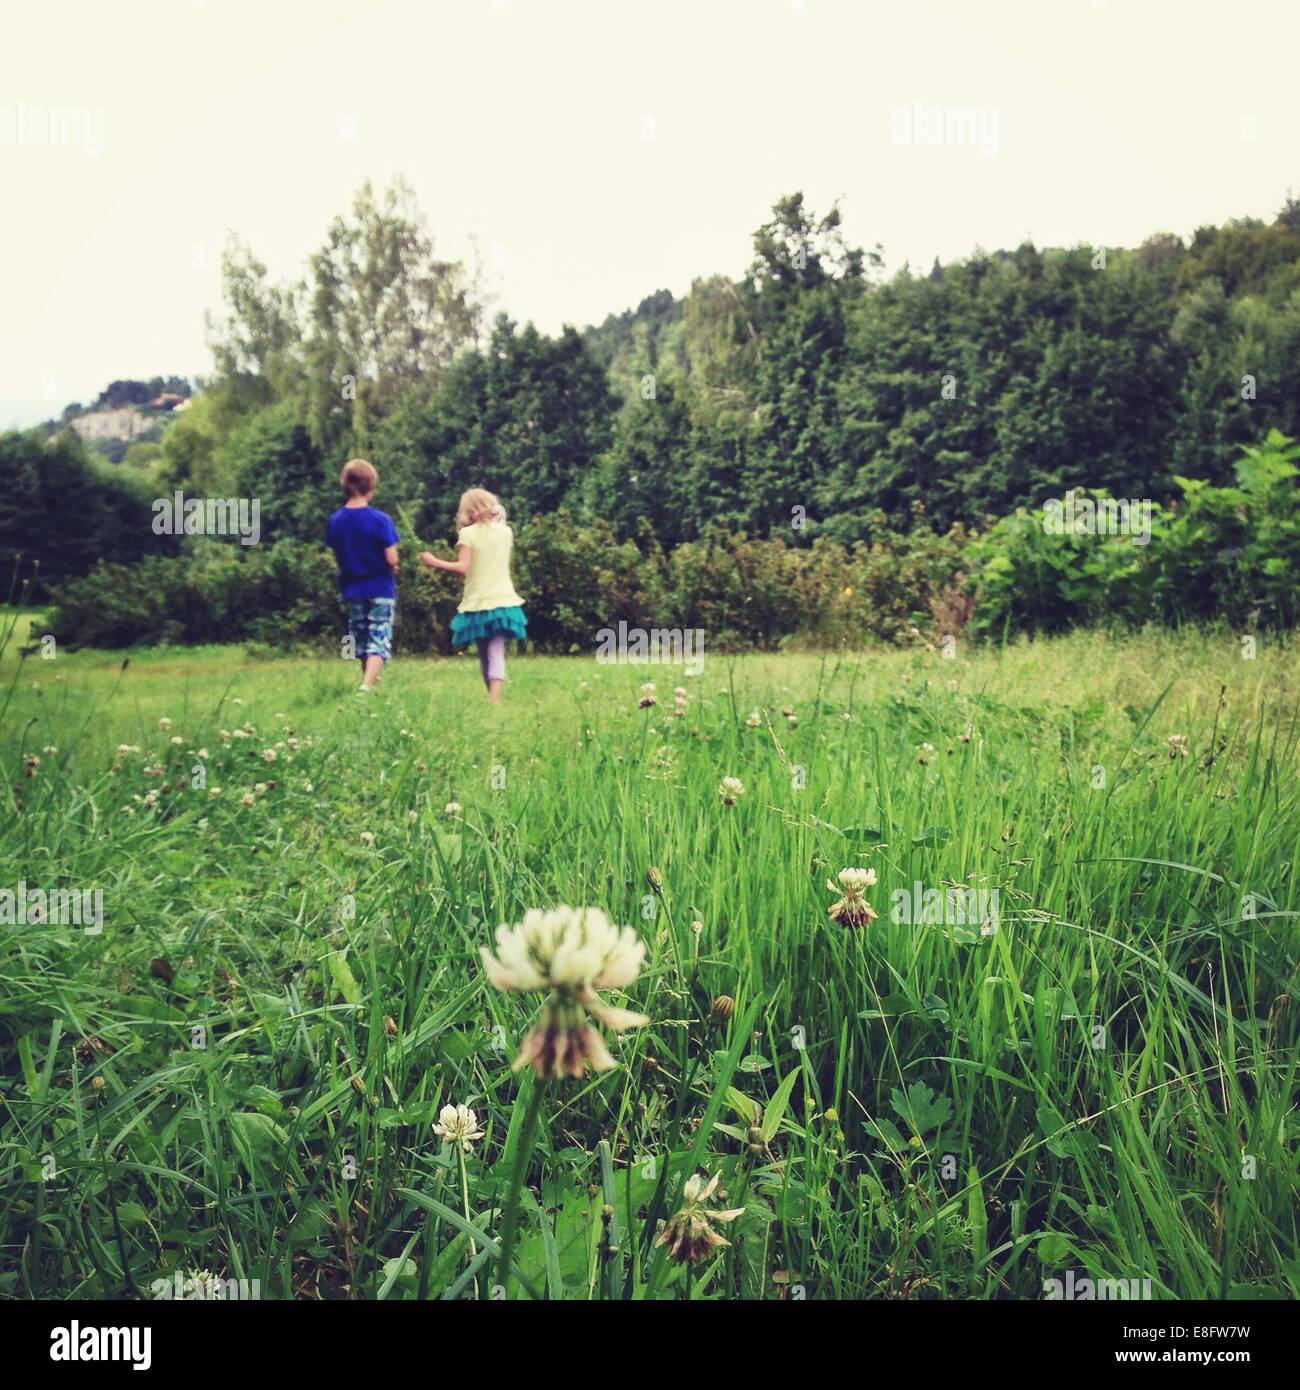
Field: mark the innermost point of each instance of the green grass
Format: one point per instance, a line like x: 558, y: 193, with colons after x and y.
x: 1106, y: 1083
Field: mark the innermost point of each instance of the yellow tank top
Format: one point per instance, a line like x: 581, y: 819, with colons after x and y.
x: 488, y: 583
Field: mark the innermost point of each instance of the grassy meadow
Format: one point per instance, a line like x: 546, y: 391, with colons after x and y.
x: 242, y: 1071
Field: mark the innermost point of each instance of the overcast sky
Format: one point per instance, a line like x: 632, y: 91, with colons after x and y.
x: 595, y: 150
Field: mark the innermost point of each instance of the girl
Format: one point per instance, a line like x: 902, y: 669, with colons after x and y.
x: 490, y: 610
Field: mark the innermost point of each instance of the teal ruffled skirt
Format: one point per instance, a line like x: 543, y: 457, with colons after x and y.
x: 472, y: 627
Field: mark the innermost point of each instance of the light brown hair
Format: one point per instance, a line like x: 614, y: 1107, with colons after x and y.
x: 358, y: 478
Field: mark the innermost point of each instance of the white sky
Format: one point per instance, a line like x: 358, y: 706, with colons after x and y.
x: 522, y: 124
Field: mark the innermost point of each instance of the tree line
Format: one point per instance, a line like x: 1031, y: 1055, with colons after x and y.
x: 808, y: 397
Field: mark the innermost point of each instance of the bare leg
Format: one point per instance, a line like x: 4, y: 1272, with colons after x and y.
x: 370, y: 670
x: 492, y: 663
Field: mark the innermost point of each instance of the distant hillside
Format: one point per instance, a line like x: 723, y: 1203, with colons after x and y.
x: 126, y: 412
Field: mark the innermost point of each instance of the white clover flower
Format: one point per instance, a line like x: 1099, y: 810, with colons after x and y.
x: 268, y: 755
x: 647, y: 695
x: 260, y: 787
x: 176, y: 740
x: 367, y: 838
x: 164, y: 723
x: 247, y: 799
x: 571, y: 953
x: 206, y: 1285
x: 755, y: 719
x: 458, y: 1125
x: 1177, y: 745
x: 852, y: 909
x: 925, y: 753
x: 452, y: 809
x: 49, y: 748
x: 729, y: 789
x: 203, y: 753
x: 689, y: 1233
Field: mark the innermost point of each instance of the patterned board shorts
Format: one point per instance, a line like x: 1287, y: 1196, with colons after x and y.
x: 370, y: 625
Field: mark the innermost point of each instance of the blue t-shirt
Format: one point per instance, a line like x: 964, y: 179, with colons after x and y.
x: 358, y: 536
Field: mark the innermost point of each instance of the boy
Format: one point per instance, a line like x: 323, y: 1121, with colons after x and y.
x: 364, y: 542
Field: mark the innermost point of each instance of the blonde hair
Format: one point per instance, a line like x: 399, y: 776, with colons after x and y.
x: 358, y: 478
x: 478, y: 504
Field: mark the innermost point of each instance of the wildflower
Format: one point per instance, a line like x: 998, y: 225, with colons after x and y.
x: 247, y: 799
x: 1177, y: 744
x: 755, y: 719
x: 164, y: 723
x: 367, y: 838
x: 30, y: 763
x: 729, y: 789
x: 203, y: 824
x: 206, y: 1285
x: 925, y: 753
x: 689, y: 1233
x: 268, y: 755
x: 214, y: 791
x: 723, y: 1008
x: 458, y: 1124
x: 647, y: 695
x: 260, y: 787
x: 49, y: 748
x: 679, y: 702
x: 852, y: 909
x: 410, y: 817
x: 176, y: 740
x: 571, y: 953
x: 452, y: 809
x: 966, y: 735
